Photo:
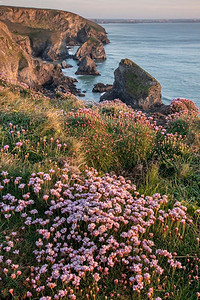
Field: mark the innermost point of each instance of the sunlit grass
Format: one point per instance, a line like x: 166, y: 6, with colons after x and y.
x: 101, y: 230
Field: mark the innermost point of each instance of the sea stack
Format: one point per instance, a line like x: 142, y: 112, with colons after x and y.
x: 87, y: 67
x: 93, y: 48
x: 134, y: 86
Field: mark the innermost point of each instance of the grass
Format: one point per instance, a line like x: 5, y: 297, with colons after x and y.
x: 56, y: 146
x: 134, y: 85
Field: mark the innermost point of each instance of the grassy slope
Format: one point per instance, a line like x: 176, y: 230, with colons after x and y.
x: 108, y: 137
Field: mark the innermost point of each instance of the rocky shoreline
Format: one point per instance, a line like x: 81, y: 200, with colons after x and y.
x: 34, y: 46
x: 33, y: 40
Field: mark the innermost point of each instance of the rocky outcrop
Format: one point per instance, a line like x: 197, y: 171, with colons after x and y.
x: 101, y: 88
x: 87, y: 67
x: 50, y: 77
x: 134, y: 86
x: 93, y: 48
x: 50, y: 31
x: 64, y: 65
x: 17, y: 64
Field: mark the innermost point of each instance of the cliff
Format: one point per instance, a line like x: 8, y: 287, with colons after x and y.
x: 18, y: 64
x: 29, y: 36
x: 51, y: 31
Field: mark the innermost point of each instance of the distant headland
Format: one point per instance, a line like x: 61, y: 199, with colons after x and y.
x: 136, y: 21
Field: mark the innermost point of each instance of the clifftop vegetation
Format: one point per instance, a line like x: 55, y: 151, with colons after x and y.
x: 69, y: 232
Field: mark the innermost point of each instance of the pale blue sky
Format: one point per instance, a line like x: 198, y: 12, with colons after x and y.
x: 118, y: 8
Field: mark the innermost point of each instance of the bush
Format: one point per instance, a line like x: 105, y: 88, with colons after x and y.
x: 180, y: 105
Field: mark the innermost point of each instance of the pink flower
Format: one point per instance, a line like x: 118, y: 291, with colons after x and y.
x: 96, y: 277
x: 45, y: 197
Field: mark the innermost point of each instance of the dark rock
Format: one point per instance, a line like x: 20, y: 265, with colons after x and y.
x: 159, y: 112
x: 51, y: 78
x: 64, y: 65
x: 134, y: 86
x: 87, y: 67
x: 160, y: 108
x: 93, y: 48
x: 101, y: 88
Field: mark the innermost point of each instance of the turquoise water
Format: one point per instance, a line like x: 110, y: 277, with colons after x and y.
x: 169, y: 52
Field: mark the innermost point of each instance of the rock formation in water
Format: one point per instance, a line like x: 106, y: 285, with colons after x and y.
x: 101, y: 88
x: 134, y: 86
x: 29, y: 36
x: 64, y: 65
x: 93, y: 48
x: 87, y: 67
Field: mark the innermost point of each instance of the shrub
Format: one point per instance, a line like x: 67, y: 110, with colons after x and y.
x: 180, y: 105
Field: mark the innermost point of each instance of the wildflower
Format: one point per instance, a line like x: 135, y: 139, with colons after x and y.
x: 39, y: 243
x: 96, y: 277
x: 21, y: 186
x: 29, y: 294
x: 51, y: 285
x: 19, y: 144
x: 4, y: 173
x: 45, y: 197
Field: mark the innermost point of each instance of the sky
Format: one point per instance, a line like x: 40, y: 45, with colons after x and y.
x: 127, y: 9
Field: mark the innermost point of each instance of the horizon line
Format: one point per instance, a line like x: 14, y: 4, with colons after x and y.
x: 97, y: 18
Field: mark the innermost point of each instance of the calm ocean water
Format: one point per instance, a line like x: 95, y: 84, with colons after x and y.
x: 169, y: 52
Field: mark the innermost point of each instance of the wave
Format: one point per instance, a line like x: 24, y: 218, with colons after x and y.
x: 166, y: 100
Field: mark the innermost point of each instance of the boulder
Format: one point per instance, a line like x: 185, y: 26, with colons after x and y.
x: 93, y: 48
x: 101, y: 88
x: 134, y: 86
x: 87, y: 67
x: 64, y: 65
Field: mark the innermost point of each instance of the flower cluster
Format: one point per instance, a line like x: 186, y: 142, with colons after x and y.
x: 123, y: 138
x: 182, y: 105
x: 92, y: 227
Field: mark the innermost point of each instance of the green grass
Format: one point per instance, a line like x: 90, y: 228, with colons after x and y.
x: 111, y: 138
x: 134, y: 85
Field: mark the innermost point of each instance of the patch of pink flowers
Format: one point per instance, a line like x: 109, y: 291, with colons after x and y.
x: 91, y: 227
x: 182, y: 105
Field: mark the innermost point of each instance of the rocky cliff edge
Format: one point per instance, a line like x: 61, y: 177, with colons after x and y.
x: 51, y: 31
x: 30, y: 37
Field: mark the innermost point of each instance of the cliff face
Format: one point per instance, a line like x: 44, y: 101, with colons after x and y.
x: 17, y: 63
x: 29, y: 36
x: 50, y: 31
x: 13, y: 59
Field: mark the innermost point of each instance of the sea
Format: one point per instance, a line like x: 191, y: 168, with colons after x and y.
x: 170, y: 52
